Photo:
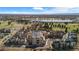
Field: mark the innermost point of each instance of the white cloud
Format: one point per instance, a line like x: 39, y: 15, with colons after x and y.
x: 68, y: 10
x: 38, y: 8
x: 62, y: 10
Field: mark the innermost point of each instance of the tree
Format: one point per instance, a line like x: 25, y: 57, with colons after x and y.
x: 66, y: 29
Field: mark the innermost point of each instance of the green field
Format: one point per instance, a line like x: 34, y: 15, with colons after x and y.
x: 54, y: 26
x: 4, y: 24
x: 62, y: 26
x: 70, y: 26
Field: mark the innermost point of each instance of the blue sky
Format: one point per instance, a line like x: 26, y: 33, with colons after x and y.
x: 38, y: 10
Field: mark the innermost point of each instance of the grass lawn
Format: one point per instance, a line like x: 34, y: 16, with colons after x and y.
x: 4, y: 24
x: 70, y: 26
